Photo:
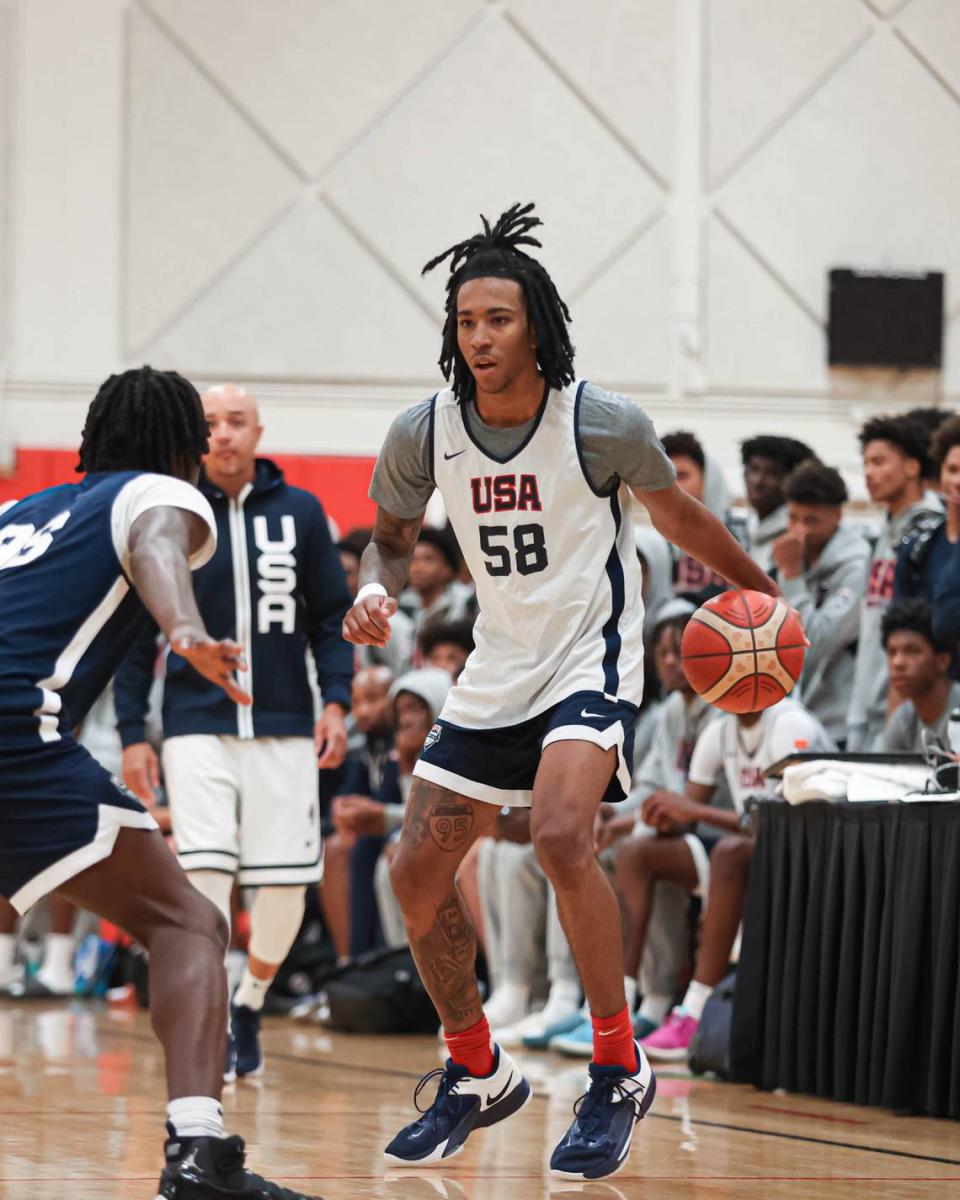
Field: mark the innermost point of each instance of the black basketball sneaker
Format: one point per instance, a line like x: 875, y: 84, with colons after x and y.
x: 209, y: 1168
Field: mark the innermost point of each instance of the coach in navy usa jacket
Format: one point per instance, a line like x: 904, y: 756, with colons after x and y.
x: 276, y: 586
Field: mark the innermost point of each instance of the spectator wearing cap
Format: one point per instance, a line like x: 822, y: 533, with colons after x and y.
x: 821, y: 567
x: 433, y: 591
x: 767, y: 461
x: 919, y: 664
x: 895, y: 462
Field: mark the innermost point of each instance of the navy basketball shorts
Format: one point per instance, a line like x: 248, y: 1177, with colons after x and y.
x: 60, y: 813
x: 499, y: 765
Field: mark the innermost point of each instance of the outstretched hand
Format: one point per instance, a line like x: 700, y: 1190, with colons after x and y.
x: 368, y: 622
x: 216, y: 661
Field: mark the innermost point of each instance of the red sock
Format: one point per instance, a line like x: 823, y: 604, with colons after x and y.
x: 613, y: 1041
x: 472, y: 1048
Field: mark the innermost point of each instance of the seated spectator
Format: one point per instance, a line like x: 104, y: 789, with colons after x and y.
x: 767, y: 461
x: 924, y: 554
x: 700, y: 476
x: 446, y: 644
x: 365, y: 823
x: 360, y: 775
x: 397, y: 654
x: 894, y: 465
x: 931, y: 419
x: 433, y: 591
x: 919, y: 677
x: 737, y: 749
x: 821, y: 567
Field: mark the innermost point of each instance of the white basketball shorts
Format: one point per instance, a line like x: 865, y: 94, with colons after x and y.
x: 247, y: 807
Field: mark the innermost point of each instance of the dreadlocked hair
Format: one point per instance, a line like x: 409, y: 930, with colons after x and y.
x: 144, y: 420
x: 496, y: 252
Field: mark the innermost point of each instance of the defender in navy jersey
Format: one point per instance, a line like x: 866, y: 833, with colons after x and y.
x: 82, y: 566
x: 538, y: 475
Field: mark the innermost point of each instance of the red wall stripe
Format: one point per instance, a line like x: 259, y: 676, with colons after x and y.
x: 341, y: 482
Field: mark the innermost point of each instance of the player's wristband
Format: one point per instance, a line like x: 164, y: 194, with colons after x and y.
x: 370, y: 589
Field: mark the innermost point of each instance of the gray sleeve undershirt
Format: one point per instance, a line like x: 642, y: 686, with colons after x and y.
x: 617, y: 439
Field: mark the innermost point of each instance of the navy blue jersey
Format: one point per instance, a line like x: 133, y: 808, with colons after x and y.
x: 276, y: 586
x: 67, y: 610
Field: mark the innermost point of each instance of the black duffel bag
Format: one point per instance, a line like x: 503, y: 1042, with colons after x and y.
x: 381, y: 993
x: 710, y: 1048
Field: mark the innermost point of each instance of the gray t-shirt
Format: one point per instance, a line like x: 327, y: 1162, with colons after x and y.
x: 617, y: 439
x: 904, y: 733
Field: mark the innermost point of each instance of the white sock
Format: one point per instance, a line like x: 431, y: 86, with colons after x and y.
x: 655, y: 1008
x: 252, y: 991
x: 697, y: 995
x: 8, y: 950
x: 564, y: 997
x: 196, y: 1116
x: 57, y: 969
x: 511, y: 995
x: 630, y: 987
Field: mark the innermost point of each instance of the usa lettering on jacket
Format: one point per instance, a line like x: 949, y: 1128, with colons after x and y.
x: 276, y: 575
x: 505, y: 493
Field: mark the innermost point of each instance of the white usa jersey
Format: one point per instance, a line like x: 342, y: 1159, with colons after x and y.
x: 555, y: 566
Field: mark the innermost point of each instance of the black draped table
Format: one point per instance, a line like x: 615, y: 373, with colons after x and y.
x: 849, y: 978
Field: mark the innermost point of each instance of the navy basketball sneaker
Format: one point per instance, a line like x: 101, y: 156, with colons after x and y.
x: 463, y: 1103
x: 598, y: 1141
x: 245, y: 1029
x: 208, y: 1168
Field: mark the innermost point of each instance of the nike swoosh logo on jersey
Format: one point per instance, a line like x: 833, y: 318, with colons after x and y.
x: 500, y: 1095
x: 596, y: 716
x: 449, y: 456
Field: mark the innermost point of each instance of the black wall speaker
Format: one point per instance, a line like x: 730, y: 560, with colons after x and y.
x: 885, y: 320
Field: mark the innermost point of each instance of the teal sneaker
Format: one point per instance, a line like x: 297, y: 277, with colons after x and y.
x: 578, y: 1042
x: 539, y: 1037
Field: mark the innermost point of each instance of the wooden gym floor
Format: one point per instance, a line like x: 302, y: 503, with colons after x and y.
x: 81, y: 1102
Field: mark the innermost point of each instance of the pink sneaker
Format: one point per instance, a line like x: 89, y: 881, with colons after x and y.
x: 672, y: 1040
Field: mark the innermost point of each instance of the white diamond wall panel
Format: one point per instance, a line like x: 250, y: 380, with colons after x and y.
x: 621, y: 323
x: 305, y: 300
x: 757, y: 336
x: 315, y: 74
x: 493, y: 124
x: 200, y: 182
x: 763, y: 55
x: 933, y: 28
x: 620, y: 55
x: 866, y: 174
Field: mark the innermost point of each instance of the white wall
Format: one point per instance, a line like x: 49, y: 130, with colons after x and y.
x: 248, y: 188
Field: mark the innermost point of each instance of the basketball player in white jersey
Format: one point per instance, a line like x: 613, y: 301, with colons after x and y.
x: 537, y: 474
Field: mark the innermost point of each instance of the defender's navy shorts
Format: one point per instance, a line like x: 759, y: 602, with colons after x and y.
x: 500, y: 765
x: 60, y: 812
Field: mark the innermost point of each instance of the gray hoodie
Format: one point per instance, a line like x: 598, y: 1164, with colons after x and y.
x: 867, y: 713
x: 828, y: 596
x: 762, y: 532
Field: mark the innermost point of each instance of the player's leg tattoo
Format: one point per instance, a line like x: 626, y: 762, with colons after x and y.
x: 439, y: 815
x: 439, y: 828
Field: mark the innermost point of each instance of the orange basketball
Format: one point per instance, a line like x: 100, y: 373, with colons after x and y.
x: 743, y: 651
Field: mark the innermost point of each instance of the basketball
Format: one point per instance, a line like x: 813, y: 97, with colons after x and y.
x: 743, y: 651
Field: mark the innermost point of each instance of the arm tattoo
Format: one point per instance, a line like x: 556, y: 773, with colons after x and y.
x: 439, y: 815
x: 387, y: 559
